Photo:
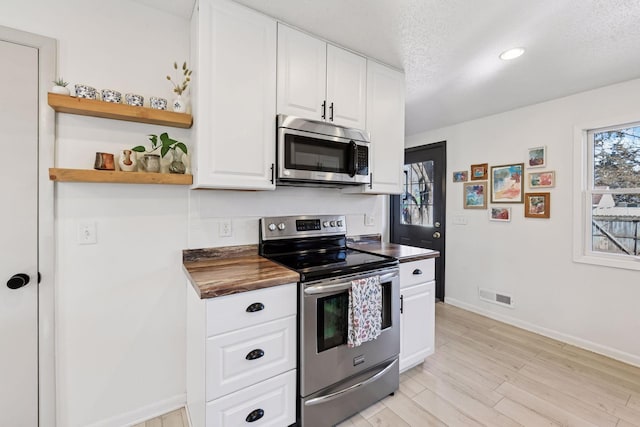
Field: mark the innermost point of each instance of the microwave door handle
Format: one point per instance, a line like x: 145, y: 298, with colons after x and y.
x: 353, y: 150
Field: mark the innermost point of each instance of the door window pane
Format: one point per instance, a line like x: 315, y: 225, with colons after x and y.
x: 416, y: 202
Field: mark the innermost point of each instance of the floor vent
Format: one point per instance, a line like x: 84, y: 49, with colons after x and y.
x: 495, y: 297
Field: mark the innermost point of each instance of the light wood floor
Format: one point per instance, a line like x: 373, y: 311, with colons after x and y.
x: 487, y: 373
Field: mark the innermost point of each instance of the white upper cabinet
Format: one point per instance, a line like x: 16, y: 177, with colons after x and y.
x: 234, y: 102
x: 385, y: 123
x: 319, y: 81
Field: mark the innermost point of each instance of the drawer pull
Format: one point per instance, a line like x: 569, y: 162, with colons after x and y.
x: 256, y: 306
x: 254, y: 415
x: 417, y: 271
x: 255, y: 354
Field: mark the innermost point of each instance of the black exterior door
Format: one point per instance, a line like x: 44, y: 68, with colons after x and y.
x: 418, y: 215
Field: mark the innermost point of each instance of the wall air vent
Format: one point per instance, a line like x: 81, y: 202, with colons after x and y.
x: 495, y: 297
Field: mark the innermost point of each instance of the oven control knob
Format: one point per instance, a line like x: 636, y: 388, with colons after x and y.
x: 339, y: 223
x: 325, y: 224
x: 333, y: 223
x: 272, y: 227
x: 281, y: 226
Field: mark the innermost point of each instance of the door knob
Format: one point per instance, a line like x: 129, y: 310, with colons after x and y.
x: 17, y: 281
x: 436, y: 235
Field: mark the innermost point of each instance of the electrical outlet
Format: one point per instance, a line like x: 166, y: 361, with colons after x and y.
x: 369, y: 220
x: 87, y: 233
x: 224, y: 228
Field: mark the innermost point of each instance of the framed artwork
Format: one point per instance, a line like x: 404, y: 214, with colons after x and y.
x: 479, y: 172
x: 507, y: 185
x: 537, y: 205
x: 475, y: 195
x: 537, y: 157
x: 500, y: 214
x: 545, y: 179
x: 461, y: 176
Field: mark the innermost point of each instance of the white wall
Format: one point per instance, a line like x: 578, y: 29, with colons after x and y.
x: 120, y: 304
x: 531, y: 259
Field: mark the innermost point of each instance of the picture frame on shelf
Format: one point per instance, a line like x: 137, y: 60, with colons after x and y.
x: 475, y: 195
x: 479, y: 171
x: 546, y: 179
x: 537, y: 205
x: 507, y: 183
x: 537, y: 157
x: 500, y: 214
x: 461, y: 176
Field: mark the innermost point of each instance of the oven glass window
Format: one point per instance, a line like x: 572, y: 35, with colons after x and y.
x: 332, y: 321
x: 304, y: 153
x: 333, y: 314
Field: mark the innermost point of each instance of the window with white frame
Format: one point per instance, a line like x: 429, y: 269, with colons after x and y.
x: 611, y: 196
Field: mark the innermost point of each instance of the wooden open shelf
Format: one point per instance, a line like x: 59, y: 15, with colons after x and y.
x: 90, y: 175
x: 109, y: 110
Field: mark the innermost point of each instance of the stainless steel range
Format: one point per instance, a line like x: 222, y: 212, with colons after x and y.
x: 335, y: 380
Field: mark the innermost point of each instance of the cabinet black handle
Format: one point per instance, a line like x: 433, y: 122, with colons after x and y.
x: 255, y: 354
x: 331, y: 108
x: 18, y: 280
x: 417, y: 271
x: 401, y: 304
x: 254, y: 415
x: 273, y: 172
x: 256, y: 306
x: 324, y: 109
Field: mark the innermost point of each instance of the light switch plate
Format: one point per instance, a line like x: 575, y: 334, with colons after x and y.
x: 369, y: 220
x: 87, y: 233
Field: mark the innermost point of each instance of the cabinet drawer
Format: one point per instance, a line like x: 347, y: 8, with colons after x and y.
x: 250, y: 308
x: 415, y: 272
x: 275, y: 399
x: 244, y: 357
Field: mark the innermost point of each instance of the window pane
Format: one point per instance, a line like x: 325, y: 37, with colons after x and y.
x: 615, y: 219
x: 616, y: 158
x: 417, y: 201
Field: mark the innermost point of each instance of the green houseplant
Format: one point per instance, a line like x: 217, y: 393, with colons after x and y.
x: 60, y: 87
x: 166, y: 144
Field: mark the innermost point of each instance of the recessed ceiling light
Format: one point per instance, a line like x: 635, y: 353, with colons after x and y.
x: 511, y: 53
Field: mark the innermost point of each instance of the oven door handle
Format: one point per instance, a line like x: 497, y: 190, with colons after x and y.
x: 337, y: 394
x: 325, y: 289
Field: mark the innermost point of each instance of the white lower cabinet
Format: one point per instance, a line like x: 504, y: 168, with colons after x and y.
x: 417, y: 318
x: 268, y: 403
x: 241, y: 358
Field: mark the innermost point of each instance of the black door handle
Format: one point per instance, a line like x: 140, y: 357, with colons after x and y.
x: 254, y: 415
x: 256, y: 306
x: 18, y: 280
x: 401, y: 304
x: 417, y: 271
x: 255, y: 354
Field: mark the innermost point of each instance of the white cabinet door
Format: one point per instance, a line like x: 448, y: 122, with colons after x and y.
x: 234, y: 97
x: 346, y: 88
x: 417, y: 324
x: 385, y: 123
x: 271, y: 403
x: 302, y: 74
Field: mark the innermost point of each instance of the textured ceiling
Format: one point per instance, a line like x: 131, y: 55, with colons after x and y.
x: 449, y: 48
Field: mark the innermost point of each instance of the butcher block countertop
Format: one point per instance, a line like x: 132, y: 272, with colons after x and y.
x: 216, y: 272
x: 402, y: 253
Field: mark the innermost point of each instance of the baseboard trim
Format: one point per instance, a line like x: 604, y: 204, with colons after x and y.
x: 145, y: 413
x: 569, y: 339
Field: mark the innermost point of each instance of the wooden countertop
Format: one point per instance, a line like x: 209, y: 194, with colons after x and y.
x: 229, y: 270
x: 402, y: 253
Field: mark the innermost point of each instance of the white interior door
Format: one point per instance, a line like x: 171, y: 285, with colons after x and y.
x: 19, y: 242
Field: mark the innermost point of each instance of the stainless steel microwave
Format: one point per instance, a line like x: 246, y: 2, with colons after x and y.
x: 310, y: 151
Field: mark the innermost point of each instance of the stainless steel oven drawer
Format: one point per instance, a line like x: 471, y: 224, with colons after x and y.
x: 340, y: 401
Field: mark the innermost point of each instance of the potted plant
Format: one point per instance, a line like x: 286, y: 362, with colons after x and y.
x: 179, y: 105
x: 60, y: 87
x: 166, y: 144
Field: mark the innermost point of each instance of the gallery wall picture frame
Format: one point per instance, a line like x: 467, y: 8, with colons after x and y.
x: 507, y: 183
x: 500, y: 214
x: 475, y: 195
x: 537, y: 157
x: 537, y: 205
x: 545, y: 179
x: 479, y: 171
x: 461, y: 176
